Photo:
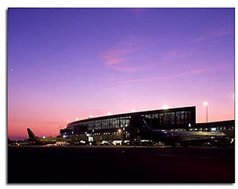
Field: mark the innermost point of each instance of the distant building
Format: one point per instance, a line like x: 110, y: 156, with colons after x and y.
x: 228, y: 127
x: 118, y: 127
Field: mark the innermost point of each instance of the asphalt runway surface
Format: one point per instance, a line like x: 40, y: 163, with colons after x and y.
x: 120, y: 165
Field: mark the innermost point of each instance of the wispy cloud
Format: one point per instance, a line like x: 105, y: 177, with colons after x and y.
x: 125, y: 68
x: 191, y: 73
x: 213, y: 33
x: 172, y: 56
x: 117, y: 58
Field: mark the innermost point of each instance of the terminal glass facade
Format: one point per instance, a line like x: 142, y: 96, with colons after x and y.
x: 118, y: 126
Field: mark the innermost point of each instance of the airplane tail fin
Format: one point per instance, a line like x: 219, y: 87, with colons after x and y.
x: 144, y: 128
x: 31, y: 135
x: 141, y: 124
x: 9, y: 141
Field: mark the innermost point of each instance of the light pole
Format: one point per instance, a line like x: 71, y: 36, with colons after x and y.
x: 206, y: 105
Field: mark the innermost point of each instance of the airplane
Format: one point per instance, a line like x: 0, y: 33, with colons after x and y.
x: 185, y: 138
x: 48, y: 141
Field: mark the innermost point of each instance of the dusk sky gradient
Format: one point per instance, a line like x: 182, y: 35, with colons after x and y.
x: 65, y: 64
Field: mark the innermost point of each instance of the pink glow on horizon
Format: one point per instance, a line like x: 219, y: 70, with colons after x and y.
x: 49, y: 127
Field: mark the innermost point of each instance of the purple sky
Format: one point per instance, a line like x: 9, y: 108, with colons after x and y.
x: 65, y: 64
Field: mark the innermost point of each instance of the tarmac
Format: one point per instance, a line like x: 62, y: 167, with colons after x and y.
x: 120, y: 164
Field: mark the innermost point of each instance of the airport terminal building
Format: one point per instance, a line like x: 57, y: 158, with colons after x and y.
x: 119, y: 127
